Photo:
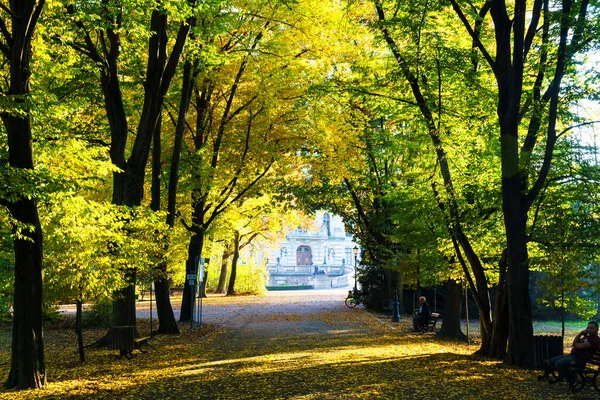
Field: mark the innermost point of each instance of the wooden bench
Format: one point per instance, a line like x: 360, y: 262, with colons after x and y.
x: 124, y: 340
x: 430, y: 326
x: 139, y: 342
x: 588, y: 374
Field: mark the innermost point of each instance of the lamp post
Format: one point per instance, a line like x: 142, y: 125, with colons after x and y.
x: 355, y: 251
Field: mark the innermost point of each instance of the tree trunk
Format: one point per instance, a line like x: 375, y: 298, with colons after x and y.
x: 166, y: 318
x: 234, y: 262
x: 497, y: 347
x: 451, y: 314
x: 27, y: 365
x: 401, y: 292
x: 223, y: 275
x: 194, y: 253
x: 124, y: 304
x: 520, y: 337
x: 167, y: 323
x: 79, y: 331
x: 204, y: 280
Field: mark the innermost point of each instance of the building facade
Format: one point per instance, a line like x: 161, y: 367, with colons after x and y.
x: 321, y: 258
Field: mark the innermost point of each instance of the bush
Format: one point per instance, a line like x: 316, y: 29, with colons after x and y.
x: 98, y: 315
x: 50, y: 314
x: 251, y: 279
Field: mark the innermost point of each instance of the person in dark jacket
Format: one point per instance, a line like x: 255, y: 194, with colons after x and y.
x: 423, y: 315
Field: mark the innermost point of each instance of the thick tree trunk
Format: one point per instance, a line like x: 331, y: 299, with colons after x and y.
x: 520, y: 337
x: 166, y: 318
x: 451, y: 314
x: 124, y: 303
x: 79, y: 331
x: 234, y: 262
x: 27, y: 365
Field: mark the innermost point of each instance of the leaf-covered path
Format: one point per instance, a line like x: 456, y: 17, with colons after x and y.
x: 302, y: 345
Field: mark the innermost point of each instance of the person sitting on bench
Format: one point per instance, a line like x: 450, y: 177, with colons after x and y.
x: 585, y: 345
x: 422, y: 316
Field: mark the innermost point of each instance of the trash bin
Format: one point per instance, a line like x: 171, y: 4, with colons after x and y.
x: 546, y: 347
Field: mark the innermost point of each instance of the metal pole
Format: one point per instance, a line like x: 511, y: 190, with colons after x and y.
x: 396, y: 307
x: 355, y: 264
x: 467, y: 312
x: 200, y: 302
x: 192, y: 283
x: 151, y: 284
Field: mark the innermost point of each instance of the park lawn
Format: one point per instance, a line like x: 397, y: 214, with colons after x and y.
x: 374, y: 360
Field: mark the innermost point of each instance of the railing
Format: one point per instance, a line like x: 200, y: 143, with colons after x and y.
x: 336, y: 270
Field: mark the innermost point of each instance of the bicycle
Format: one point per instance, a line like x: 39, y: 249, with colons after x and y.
x: 355, y: 297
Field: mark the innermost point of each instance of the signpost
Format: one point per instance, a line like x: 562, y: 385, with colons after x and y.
x: 196, y: 284
x: 198, y: 320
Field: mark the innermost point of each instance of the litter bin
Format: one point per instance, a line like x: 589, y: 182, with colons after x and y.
x: 546, y: 347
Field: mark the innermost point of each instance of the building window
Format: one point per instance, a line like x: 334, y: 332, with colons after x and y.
x: 327, y: 223
x: 349, y: 256
x: 303, y: 256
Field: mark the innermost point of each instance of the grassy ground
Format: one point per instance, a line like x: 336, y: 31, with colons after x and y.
x: 331, y: 353
x: 572, y: 328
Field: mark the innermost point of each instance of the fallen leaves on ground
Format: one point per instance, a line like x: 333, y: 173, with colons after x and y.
x: 314, y: 352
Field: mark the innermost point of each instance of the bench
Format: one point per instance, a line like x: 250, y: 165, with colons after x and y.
x: 124, y: 340
x: 387, y: 306
x: 430, y: 326
x: 588, y: 374
x: 139, y: 342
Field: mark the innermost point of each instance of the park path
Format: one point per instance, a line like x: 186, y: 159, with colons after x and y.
x: 308, y: 345
x: 302, y: 345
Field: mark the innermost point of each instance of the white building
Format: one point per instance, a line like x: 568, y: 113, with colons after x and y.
x: 320, y: 258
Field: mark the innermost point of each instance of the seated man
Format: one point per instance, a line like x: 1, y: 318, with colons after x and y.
x: 584, y: 346
x: 422, y: 316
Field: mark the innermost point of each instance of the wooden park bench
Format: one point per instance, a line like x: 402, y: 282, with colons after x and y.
x: 588, y: 374
x: 124, y: 340
x: 430, y: 326
x: 139, y: 342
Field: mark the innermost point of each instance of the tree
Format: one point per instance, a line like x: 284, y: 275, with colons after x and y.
x: 247, y: 113
x: 128, y: 185
x: 28, y: 366
x: 79, y: 264
x: 428, y: 100
x: 535, y: 46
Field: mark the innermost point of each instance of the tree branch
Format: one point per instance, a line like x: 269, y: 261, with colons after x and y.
x: 473, y: 34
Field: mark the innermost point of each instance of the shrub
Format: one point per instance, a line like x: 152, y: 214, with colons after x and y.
x: 98, y: 315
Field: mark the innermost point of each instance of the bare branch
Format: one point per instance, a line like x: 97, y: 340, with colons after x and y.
x: 577, y: 126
